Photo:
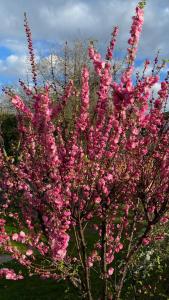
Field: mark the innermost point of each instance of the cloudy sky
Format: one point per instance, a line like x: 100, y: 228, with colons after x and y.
x: 54, y: 21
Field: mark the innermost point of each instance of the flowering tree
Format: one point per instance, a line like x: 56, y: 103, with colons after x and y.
x: 79, y: 199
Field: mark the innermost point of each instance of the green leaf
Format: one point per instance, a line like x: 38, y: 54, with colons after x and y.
x: 142, y: 4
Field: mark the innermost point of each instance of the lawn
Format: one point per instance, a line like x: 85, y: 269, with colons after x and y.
x: 34, y: 288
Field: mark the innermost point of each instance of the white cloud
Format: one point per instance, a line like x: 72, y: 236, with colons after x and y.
x: 14, y: 45
x: 14, y: 65
x: 156, y: 88
x: 60, y: 20
x: 12, y: 59
x: 72, y: 14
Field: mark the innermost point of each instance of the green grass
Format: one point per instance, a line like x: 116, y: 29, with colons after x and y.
x: 34, y: 288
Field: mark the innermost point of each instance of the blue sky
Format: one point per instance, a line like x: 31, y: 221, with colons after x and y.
x: 54, y: 21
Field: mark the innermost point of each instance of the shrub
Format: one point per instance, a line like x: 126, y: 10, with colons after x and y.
x: 83, y: 202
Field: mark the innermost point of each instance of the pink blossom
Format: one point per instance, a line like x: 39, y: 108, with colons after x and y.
x: 15, y: 237
x: 29, y: 252
x: 146, y: 241
x: 97, y: 200
x: 9, y: 274
x: 22, y: 234
x: 164, y: 220
x: 110, y: 271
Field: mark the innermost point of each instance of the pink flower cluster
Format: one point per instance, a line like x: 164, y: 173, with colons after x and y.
x: 136, y: 29
x: 9, y: 274
x: 3, y: 235
x: 84, y: 114
x: 19, y: 237
x: 19, y: 104
x: 109, y: 54
x: 59, y: 246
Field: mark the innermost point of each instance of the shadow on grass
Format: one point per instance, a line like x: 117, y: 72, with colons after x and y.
x: 34, y: 288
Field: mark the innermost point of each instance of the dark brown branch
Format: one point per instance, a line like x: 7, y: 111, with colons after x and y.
x: 103, y: 259
x: 84, y: 258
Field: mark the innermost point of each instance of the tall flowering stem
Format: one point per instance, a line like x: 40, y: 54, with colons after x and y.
x: 110, y: 48
x: 31, y: 51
